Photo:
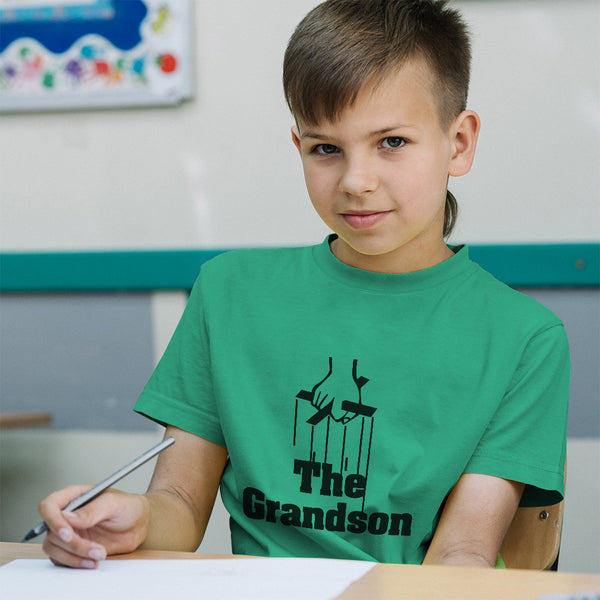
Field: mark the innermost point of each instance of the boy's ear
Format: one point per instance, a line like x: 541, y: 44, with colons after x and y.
x: 464, y: 131
x: 296, y: 138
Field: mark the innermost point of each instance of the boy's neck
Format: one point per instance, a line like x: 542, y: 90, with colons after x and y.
x: 403, y: 260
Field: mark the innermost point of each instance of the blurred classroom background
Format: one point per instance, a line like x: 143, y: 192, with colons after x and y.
x: 218, y: 171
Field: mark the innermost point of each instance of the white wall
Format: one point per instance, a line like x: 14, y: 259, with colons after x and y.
x: 536, y: 86
x: 220, y: 171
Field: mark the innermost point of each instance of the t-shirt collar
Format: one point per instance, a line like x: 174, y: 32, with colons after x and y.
x: 451, y: 268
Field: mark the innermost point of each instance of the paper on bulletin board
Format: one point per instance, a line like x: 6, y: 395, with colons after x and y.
x: 66, y: 54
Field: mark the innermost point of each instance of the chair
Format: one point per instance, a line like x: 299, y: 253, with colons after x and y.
x: 533, y: 538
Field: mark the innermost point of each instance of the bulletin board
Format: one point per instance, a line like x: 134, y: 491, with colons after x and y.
x: 66, y: 54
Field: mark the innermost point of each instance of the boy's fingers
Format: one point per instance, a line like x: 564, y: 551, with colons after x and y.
x: 70, y: 541
x: 72, y: 556
x: 108, y: 524
x: 60, y: 499
x: 51, y: 507
x: 86, y: 516
x: 63, y: 543
x: 106, y: 507
x: 73, y: 550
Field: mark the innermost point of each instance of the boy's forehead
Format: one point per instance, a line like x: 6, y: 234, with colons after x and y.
x: 404, y: 93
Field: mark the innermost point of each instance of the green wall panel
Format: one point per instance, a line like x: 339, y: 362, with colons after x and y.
x: 533, y: 265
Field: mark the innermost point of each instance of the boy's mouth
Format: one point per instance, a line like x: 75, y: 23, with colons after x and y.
x: 364, y: 220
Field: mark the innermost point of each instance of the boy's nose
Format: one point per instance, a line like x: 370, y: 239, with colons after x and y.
x: 358, y: 178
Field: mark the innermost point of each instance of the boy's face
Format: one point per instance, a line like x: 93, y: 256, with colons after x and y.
x: 377, y: 175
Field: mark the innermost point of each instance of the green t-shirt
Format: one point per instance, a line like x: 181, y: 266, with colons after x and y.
x: 351, y: 402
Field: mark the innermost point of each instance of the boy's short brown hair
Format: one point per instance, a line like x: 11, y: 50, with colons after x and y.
x: 341, y: 45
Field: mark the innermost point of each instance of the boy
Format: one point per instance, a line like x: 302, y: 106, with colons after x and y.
x: 377, y: 396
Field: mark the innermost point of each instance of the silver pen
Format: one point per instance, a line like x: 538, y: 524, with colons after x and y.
x: 103, y: 485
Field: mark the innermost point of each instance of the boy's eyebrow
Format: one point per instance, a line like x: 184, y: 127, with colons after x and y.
x: 317, y: 135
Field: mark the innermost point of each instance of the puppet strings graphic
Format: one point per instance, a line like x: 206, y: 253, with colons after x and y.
x: 340, y: 432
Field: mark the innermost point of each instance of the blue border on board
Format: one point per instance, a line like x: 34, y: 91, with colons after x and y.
x: 525, y: 265
x: 57, y: 28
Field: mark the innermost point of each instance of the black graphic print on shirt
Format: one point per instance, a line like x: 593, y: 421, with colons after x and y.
x: 332, y: 441
x: 337, y: 399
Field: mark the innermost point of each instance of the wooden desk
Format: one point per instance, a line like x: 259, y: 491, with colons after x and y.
x: 24, y: 419
x: 409, y: 582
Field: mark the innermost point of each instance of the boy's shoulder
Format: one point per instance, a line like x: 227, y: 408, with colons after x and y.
x: 255, y: 264
x: 515, y: 304
x: 243, y: 258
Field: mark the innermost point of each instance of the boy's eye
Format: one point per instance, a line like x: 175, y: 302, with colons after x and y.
x: 393, y: 142
x: 325, y: 149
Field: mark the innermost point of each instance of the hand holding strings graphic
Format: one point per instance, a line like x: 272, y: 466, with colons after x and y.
x: 337, y: 395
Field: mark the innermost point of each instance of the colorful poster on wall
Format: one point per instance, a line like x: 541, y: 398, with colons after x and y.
x: 66, y: 54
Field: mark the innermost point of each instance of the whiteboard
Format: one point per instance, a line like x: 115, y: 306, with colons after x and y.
x: 63, y: 54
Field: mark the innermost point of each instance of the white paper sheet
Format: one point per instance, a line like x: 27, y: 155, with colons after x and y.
x: 222, y: 579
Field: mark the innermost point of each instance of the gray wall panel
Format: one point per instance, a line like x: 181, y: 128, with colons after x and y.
x: 85, y: 358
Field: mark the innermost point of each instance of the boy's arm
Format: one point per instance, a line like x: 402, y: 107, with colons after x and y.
x: 475, y: 519
x: 172, y: 515
x: 182, y: 491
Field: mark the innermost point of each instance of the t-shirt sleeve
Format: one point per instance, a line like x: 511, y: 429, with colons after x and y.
x: 526, y: 439
x: 179, y: 391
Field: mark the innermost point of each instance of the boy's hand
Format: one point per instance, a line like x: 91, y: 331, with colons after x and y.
x: 113, y: 523
x: 172, y: 515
